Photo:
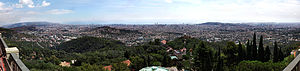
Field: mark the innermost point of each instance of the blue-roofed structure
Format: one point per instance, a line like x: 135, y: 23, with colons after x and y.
x: 154, y: 68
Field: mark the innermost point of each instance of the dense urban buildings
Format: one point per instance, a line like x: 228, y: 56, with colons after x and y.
x: 150, y: 35
x: 136, y: 34
x: 205, y: 46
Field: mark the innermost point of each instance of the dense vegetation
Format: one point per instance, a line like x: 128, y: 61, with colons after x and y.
x: 6, y: 32
x: 92, y: 54
x: 114, y: 31
x: 86, y: 44
x: 12, y: 34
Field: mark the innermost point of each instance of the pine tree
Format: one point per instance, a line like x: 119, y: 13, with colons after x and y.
x: 261, y: 53
x: 254, y: 46
x: 127, y: 54
x: 241, y: 52
x: 157, y: 42
x: 203, y: 59
x: 220, y: 61
x: 275, y: 53
x: 202, y: 45
x: 249, y: 50
x: 280, y: 55
x: 267, y: 54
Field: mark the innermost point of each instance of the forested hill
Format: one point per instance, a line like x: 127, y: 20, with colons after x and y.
x: 11, y: 34
x: 92, y: 54
x: 7, y: 32
x: 86, y: 44
x: 111, y: 30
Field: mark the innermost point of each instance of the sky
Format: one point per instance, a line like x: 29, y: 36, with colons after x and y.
x: 148, y: 11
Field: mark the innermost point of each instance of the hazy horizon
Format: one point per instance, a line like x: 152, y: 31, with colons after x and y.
x: 149, y: 35
x: 154, y: 23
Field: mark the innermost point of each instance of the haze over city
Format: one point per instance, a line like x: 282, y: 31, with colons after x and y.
x: 149, y: 35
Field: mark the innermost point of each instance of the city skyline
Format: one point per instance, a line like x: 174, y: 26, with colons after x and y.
x: 148, y: 12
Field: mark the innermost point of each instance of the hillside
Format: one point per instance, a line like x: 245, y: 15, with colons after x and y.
x: 7, y: 32
x: 222, y: 24
x: 11, y: 34
x: 86, y: 44
x: 29, y: 24
x: 111, y: 30
x: 25, y: 28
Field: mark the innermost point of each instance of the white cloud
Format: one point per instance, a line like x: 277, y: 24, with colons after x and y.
x: 33, y: 13
x: 28, y: 3
x: 31, y: 4
x: 44, y: 4
x: 7, y: 17
x: 54, y: 12
x: 169, y: 1
x: 189, y: 1
x: 59, y: 11
x: 179, y: 10
x: 14, y: 16
x: 1, y: 4
x: 18, y: 5
x: 4, y: 10
x: 3, y: 7
x: 241, y: 11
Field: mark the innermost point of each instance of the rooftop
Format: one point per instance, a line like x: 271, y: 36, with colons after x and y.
x: 154, y: 68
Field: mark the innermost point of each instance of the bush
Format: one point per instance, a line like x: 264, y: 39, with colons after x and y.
x: 260, y: 66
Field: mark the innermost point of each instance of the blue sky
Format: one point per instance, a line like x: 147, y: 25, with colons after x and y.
x: 149, y: 11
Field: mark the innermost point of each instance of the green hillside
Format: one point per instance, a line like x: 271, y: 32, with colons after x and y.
x: 85, y: 44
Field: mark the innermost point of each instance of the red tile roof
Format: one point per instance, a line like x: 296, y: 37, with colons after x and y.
x: 164, y: 42
x: 107, y: 68
x: 128, y: 62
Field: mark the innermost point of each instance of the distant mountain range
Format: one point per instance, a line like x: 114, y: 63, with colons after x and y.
x: 26, y: 24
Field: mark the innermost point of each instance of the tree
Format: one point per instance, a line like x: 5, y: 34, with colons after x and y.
x: 203, y: 59
x: 87, y: 44
x: 157, y: 42
x: 259, y: 66
x: 127, y: 54
x: 249, y: 50
x: 280, y: 55
x: 88, y: 67
x: 261, y: 54
x: 137, y: 62
x: 120, y: 67
x: 275, y: 53
x: 53, y: 59
x: 254, y: 50
x: 220, y: 61
x: 231, y: 54
x: 241, y: 52
x: 267, y: 54
x: 156, y: 63
x: 146, y: 58
x: 167, y: 61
